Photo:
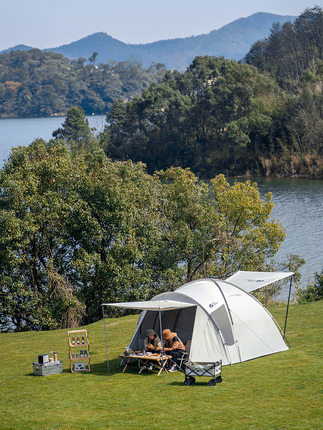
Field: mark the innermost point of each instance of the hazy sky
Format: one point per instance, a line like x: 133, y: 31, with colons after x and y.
x: 50, y: 23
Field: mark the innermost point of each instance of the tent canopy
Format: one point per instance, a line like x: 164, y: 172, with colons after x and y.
x: 152, y: 305
x: 251, y: 281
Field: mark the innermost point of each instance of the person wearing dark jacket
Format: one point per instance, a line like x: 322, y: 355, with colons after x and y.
x: 173, y: 346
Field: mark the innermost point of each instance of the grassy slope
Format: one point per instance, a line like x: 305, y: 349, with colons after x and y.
x: 282, y: 391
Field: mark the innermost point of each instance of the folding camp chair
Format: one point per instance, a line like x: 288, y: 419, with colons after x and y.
x: 179, y: 362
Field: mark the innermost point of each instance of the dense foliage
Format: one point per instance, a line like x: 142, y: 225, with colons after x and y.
x: 77, y: 229
x: 222, y: 116
x: 293, y: 56
x: 291, y: 49
x: 313, y: 292
x: 209, y: 118
x: 35, y: 83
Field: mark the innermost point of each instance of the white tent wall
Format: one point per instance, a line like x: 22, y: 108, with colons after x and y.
x: 255, y: 331
x: 207, y: 345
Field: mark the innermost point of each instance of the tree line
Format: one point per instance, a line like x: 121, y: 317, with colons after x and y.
x: 262, y: 116
x: 78, y: 229
x: 38, y: 84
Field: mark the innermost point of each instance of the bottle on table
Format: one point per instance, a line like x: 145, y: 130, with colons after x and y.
x: 78, y: 340
x: 73, y: 340
x: 83, y: 340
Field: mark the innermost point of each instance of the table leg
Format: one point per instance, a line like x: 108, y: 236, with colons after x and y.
x: 126, y: 365
x: 161, y: 365
x: 141, y: 366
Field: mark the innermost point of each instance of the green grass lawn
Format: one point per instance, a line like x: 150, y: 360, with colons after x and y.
x: 281, y: 391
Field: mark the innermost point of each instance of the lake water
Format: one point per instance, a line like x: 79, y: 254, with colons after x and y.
x: 299, y: 207
x: 298, y: 201
x: 22, y: 131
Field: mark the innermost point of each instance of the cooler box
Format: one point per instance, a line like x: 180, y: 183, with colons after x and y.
x: 48, y: 368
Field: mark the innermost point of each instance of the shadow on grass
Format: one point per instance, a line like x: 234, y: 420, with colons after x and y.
x: 64, y: 371
x: 196, y: 384
x: 116, y: 368
x: 101, y: 369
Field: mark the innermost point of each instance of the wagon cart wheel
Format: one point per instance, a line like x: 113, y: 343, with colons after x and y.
x: 212, y: 382
x: 189, y: 380
x: 218, y: 379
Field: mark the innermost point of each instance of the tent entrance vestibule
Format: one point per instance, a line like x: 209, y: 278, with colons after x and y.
x: 180, y: 321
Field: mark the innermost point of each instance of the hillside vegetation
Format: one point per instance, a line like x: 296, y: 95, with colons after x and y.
x: 37, y: 84
x: 220, y: 116
x: 281, y: 391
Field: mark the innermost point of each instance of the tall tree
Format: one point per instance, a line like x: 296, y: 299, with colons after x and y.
x: 218, y: 229
x: 75, y: 129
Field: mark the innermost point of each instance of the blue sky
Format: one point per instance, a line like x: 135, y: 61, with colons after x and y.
x: 50, y: 23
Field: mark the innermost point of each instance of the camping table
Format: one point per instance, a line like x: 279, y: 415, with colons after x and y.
x: 155, y: 359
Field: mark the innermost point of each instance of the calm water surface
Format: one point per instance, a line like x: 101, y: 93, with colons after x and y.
x: 298, y: 202
x: 21, y: 132
x: 299, y: 207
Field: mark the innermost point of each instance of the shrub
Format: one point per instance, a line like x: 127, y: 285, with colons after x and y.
x: 313, y: 292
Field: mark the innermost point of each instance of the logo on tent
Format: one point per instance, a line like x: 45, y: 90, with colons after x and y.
x: 211, y: 305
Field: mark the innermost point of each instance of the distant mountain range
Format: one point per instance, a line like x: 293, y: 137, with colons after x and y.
x: 230, y: 41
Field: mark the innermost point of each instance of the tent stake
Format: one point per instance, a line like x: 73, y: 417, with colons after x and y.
x: 105, y: 336
x: 290, y: 289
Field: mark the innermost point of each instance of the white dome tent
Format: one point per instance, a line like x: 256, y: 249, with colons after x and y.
x: 223, y: 321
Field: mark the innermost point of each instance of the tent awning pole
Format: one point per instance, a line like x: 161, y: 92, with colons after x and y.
x: 289, y: 292
x: 105, y: 336
x: 162, y: 345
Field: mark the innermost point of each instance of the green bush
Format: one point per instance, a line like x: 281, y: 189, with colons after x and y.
x: 313, y: 292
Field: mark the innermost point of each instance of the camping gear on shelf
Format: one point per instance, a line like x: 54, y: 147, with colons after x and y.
x: 83, y: 354
x: 223, y: 321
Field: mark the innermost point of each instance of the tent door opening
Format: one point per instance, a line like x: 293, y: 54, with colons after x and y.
x: 180, y: 321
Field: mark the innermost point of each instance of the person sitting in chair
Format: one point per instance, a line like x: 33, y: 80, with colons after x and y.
x: 152, y: 342
x: 173, y: 346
